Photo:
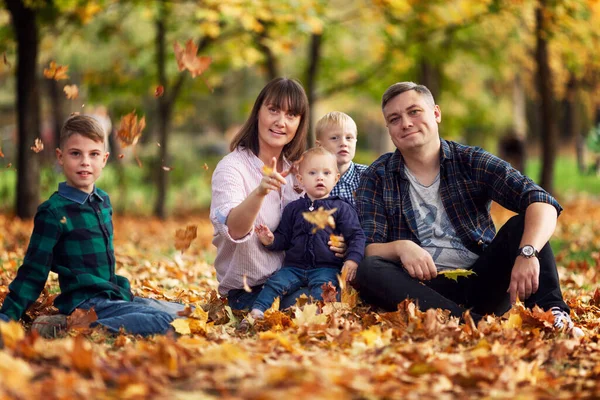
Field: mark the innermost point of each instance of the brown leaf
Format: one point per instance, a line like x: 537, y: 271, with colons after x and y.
x: 121, y: 156
x: 6, y: 60
x: 72, y: 91
x: 187, y: 59
x: 81, y: 319
x: 37, y: 145
x: 130, y: 130
x: 82, y: 356
x: 329, y: 293
x: 160, y: 90
x: 205, y: 166
x: 184, y: 237
x: 2, y: 154
x: 56, y: 72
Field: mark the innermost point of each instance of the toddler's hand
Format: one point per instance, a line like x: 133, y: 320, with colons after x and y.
x: 349, y: 270
x: 264, y: 234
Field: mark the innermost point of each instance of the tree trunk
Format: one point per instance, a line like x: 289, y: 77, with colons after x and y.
x: 430, y: 76
x: 544, y: 83
x: 573, y: 122
x: 56, y: 97
x: 28, y: 108
x: 519, y: 129
x: 163, y: 117
x: 314, y: 54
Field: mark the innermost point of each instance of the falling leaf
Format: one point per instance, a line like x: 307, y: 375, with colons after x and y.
x: 6, y: 60
x: 37, y: 145
x: 2, y: 154
x: 205, y: 166
x: 74, y: 113
x: 72, y: 91
x: 455, y: 273
x: 159, y: 91
x: 158, y: 144
x: 184, y: 237
x: 63, y: 220
x: 121, y: 156
x: 130, y: 130
x: 8, y: 165
x: 187, y: 59
x: 182, y: 326
x: 246, y: 287
x: 56, y: 72
x: 167, y: 168
x: 321, y: 218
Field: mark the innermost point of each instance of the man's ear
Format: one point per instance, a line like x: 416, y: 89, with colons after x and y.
x: 59, y: 156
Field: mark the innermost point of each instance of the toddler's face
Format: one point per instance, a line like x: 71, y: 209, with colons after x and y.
x: 318, y: 174
x: 341, y: 141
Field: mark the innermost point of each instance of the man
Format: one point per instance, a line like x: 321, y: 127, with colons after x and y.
x: 426, y: 208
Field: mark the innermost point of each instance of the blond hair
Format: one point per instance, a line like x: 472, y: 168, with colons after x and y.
x: 83, y: 125
x: 334, y: 118
x: 317, y: 151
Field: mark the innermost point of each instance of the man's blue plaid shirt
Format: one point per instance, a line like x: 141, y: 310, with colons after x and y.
x: 348, y: 183
x: 470, y: 179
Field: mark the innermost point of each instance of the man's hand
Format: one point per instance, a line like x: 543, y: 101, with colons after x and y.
x: 350, y: 270
x: 416, y: 260
x: 524, y: 279
x: 264, y: 234
x: 339, y: 247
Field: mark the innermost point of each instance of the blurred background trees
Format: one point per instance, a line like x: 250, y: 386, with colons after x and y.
x: 519, y: 77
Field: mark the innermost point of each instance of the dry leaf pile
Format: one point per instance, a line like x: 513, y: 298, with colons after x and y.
x: 329, y: 350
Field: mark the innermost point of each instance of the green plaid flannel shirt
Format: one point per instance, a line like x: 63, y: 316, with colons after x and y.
x: 72, y: 236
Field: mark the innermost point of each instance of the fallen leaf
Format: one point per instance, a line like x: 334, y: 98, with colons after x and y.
x: 12, y: 332
x: 81, y: 319
x: 130, y: 130
x: 246, y: 287
x: 182, y: 326
x: 63, y: 220
x: 184, y: 237
x: 455, y: 273
x: 72, y: 91
x: 329, y: 293
x: 37, y: 145
x: 56, y: 72
x: 187, y: 58
x: 160, y: 90
x: 321, y: 218
x: 308, y: 316
x: 82, y: 355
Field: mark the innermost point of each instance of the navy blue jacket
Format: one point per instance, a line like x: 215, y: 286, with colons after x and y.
x: 306, y: 249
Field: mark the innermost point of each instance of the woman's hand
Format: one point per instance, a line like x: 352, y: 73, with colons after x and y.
x: 271, y: 180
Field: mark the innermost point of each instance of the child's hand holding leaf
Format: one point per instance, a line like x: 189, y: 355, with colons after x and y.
x: 264, y: 234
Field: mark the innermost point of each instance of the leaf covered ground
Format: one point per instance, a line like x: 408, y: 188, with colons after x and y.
x: 346, y: 351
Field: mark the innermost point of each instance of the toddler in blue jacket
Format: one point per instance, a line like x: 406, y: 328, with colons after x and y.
x: 308, y: 260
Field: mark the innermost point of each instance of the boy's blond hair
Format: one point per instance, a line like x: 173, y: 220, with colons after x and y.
x: 317, y: 151
x: 83, y: 125
x: 336, y: 118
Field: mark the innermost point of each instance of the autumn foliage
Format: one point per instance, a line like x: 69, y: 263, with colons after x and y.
x: 326, y: 350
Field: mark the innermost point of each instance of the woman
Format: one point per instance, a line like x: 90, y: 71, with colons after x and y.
x: 252, y: 185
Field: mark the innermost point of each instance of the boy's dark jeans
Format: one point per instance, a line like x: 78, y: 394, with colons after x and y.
x: 385, y: 284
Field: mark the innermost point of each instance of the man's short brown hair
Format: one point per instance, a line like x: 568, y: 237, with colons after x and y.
x: 401, y: 87
x: 83, y: 125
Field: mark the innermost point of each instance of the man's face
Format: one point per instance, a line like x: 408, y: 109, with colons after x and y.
x: 412, y: 122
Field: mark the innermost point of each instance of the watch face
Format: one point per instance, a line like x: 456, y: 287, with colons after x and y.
x: 527, y: 251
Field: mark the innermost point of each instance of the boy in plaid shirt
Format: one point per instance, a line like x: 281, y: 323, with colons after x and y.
x: 73, y: 237
x: 337, y: 133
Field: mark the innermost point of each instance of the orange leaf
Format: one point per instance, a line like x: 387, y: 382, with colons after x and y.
x: 80, y: 318
x: 187, y: 59
x: 72, y: 91
x: 205, y: 166
x: 160, y: 90
x: 56, y: 72
x: 321, y: 218
x: 121, y: 156
x: 2, y: 154
x: 329, y: 293
x: 130, y: 130
x: 184, y: 237
x: 266, y: 170
x: 6, y: 60
x: 82, y: 355
x: 37, y: 145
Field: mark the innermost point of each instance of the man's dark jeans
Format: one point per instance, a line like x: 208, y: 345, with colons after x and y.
x: 385, y: 284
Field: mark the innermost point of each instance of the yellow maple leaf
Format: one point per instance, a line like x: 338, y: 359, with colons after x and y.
x: 514, y: 322
x: 308, y: 316
x: 455, y: 273
x: 182, y: 326
x: 266, y: 170
x: 321, y: 218
x: 56, y: 72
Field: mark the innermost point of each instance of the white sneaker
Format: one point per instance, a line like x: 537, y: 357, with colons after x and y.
x: 562, y: 320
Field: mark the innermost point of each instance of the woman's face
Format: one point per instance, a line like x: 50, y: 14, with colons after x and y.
x: 276, y: 127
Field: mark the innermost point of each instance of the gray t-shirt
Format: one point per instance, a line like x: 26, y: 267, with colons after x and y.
x: 435, y: 231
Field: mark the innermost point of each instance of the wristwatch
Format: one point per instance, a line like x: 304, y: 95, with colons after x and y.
x: 528, y: 251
